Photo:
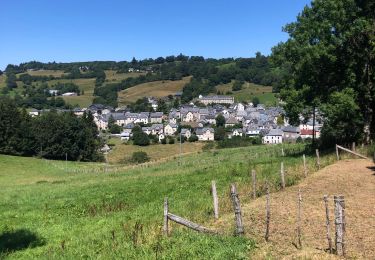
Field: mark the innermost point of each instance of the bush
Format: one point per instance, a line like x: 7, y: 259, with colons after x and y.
x: 141, y: 139
x: 193, y: 138
x: 140, y: 157
x: 170, y: 140
x: 163, y: 141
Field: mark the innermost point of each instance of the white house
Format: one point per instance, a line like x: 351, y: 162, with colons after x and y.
x: 275, y: 136
x: 156, y: 117
x: 186, y: 132
x: 170, y: 129
x: 205, y: 134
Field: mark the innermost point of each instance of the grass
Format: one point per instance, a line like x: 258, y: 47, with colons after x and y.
x: 55, y: 73
x: 154, y: 89
x: 249, y: 91
x: 122, y: 151
x: 119, y: 215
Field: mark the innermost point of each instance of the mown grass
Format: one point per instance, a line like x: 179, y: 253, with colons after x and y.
x: 248, y: 91
x: 160, y: 88
x: 119, y: 215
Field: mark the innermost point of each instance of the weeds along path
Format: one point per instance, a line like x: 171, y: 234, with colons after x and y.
x: 355, y: 179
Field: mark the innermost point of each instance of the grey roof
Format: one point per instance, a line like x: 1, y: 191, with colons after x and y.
x: 231, y: 120
x: 200, y: 131
x: 217, y: 98
x: 275, y: 132
x: 156, y: 114
x: 291, y: 129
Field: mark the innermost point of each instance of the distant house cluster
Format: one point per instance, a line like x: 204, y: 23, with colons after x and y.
x: 241, y: 120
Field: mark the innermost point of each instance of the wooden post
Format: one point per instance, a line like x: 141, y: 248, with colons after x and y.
x: 353, y: 146
x: 268, y: 214
x: 237, y: 210
x: 317, y: 158
x: 282, y: 175
x: 282, y: 152
x: 350, y: 151
x: 304, y: 165
x: 215, y: 200
x: 299, y: 219
x: 328, y: 224
x: 189, y: 224
x: 253, y: 175
x: 165, y: 226
x: 340, y: 224
x: 337, y: 153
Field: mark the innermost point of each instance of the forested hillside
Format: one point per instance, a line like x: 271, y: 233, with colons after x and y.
x: 205, y: 75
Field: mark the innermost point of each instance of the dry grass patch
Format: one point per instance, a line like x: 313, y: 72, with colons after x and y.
x: 161, y: 88
x: 55, y: 73
x: 113, y: 76
x: 156, y: 152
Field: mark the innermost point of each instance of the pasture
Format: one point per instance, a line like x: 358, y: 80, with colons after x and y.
x: 161, y: 88
x: 51, y: 210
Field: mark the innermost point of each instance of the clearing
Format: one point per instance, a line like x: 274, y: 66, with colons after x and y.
x: 160, y: 88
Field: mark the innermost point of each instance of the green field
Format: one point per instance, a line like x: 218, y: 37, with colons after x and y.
x: 50, y: 209
x: 248, y: 91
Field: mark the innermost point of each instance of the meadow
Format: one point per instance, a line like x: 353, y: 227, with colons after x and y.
x: 248, y: 91
x: 50, y: 210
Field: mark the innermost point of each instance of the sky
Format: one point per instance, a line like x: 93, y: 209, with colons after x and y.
x: 71, y: 30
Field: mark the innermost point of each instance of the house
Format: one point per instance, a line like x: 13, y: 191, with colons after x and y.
x: 216, y: 100
x: 275, y: 136
x: 231, y: 121
x: 69, y: 94
x: 157, y: 129
x: 291, y: 132
x: 252, y: 131
x: 186, y: 132
x: 161, y: 136
x: 146, y: 130
x: 308, y: 133
x: 142, y: 118
x: 130, y: 117
x: 205, y: 134
x: 34, y: 112
x: 125, y: 136
x: 78, y: 112
x: 170, y: 129
x: 53, y: 92
x: 237, y: 132
x: 156, y: 117
x: 188, y: 117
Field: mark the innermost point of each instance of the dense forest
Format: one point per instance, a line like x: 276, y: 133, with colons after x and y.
x: 206, y: 74
x: 52, y: 135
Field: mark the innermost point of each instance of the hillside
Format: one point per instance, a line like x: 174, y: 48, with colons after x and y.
x: 70, y: 210
x: 155, y: 89
x: 248, y: 91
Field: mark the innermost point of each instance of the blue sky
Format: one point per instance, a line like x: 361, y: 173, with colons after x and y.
x: 82, y: 30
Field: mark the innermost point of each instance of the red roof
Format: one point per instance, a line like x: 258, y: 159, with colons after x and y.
x: 307, y: 132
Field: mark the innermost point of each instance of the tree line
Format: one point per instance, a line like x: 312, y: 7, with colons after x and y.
x: 51, y: 135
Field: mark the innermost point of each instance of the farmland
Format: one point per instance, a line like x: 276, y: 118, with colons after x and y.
x: 248, y: 91
x: 155, y: 89
x: 67, y: 214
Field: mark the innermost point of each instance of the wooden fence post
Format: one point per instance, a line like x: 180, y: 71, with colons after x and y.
x: 317, y: 158
x: 268, y: 214
x: 340, y: 224
x: 337, y: 153
x: 304, y: 165
x: 282, y: 152
x: 325, y: 198
x: 353, y: 146
x: 215, y: 200
x: 165, y: 226
x: 282, y: 175
x: 237, y: 210
x: 253, y: 175
x: 299, y: 219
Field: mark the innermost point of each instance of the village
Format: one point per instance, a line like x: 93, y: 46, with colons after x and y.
x: 198, y: 121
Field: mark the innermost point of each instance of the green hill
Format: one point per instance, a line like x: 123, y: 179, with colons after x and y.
x: 50, y: 209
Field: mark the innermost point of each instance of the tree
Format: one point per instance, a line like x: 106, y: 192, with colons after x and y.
x: 343, y: 121
x: 255, y: 101
x: 140, y: 138
x: 11, y: 80
x: 280, y: 120
x: 140, y: 157
x: 330, y: 48
x: 113, y: 127
x: 219, y: 133
x: 193, y: 138
x: 220, y: 120
x: 237, y: 85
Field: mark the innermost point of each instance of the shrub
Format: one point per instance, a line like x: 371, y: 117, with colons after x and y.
x: 170, y: 140
x: 140, y: 157
x: 163, y: 141
x: 193, y: 138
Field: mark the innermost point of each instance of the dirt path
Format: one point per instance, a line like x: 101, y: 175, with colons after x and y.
x: 355, y: 179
